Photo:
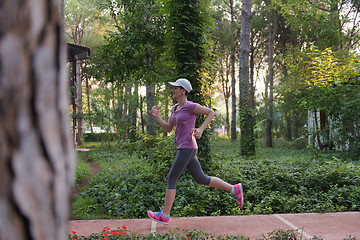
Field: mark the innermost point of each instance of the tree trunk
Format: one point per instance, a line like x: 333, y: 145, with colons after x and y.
x: 252, y: 86
x: 80, y: 127
x: 73, y: 101
x: 142, y: 118
x: 36, y: 152
x: 125, y: 113
x: 252, y: 78
x: 272, y: 26
x: 247, y: 141
x: 88, y: 90
x: 233, y: 79
x: 150, y: 100
x: 134, y: 105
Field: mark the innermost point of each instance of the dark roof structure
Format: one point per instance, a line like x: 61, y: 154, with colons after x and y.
x: 77, y: 52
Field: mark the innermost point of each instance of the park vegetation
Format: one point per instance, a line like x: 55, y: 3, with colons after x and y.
x: 283, y: 78
x: 278, y: 180
x: 289, y: 72
x: 292, y: 76
x: 289, y: 68
x: 296, y: 143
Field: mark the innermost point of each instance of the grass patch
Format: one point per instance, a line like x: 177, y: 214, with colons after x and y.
x: 83, y: 170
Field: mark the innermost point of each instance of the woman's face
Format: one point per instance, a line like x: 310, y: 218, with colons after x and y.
x: 177, y: 92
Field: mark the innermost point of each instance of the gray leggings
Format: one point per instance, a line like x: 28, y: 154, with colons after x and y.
x: 186, y: 158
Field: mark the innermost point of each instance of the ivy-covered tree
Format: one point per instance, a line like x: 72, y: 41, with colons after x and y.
x: 187, y: 24
x: 247, y: 141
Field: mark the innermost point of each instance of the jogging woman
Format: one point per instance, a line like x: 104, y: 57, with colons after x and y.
x: 183, y: 117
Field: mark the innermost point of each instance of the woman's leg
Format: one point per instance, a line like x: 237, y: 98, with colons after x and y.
x: 181, y: 160
x: 200, y: 177
x: 196, y: 171
x: 169, y: 200
x: 219, y: 183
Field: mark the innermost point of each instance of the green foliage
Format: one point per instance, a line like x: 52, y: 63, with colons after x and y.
x: 157, y: 151
x: 297, y: 183
x: 187, y: 24
x: 102, y: 115
x: 134, y: 51
x: 328, y: 81
x: 100, y: 137
x: 311, y: 21
x: 279, y: 180
x: 186, y: 234
x: 85, y: 22
x: 122, y: 193
x: 176, y: 233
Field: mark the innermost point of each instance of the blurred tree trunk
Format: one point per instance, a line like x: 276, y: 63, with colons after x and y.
x: 36, y: 151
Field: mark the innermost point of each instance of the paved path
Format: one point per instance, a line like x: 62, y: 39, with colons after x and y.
x: 329, y: 226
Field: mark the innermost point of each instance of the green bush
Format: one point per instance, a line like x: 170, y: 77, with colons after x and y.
x: 157, y: 151
x: 186, y: 234
x: 126, y: 194
x: 100, y: 137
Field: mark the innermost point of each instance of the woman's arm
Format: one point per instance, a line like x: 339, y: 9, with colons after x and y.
x: 167, y: 126
x: 210, y: 114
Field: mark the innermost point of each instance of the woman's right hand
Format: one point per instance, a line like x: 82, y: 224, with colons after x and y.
x: 154, y: 111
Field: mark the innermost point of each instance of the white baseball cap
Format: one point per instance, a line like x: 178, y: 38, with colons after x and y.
x: 182, y: 82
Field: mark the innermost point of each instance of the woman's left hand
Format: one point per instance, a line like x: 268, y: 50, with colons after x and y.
x: 197, y: 133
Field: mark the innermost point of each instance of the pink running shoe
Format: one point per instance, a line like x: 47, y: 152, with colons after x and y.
x: 239, y: 194
x: 159, y: 217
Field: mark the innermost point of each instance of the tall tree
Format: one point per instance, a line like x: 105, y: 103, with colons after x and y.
x: 150, y: 87
x: 36, y: 151
x: 233, y: 79
x: 247, y: 141
x: 272, y: 28
x: 187, y: 23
